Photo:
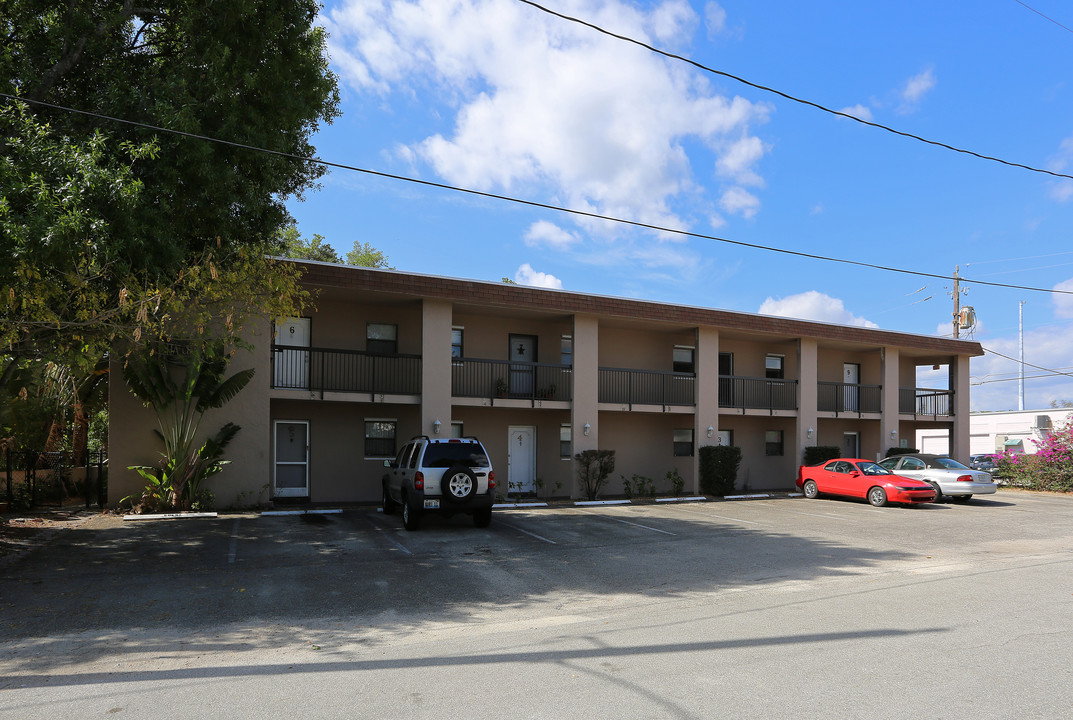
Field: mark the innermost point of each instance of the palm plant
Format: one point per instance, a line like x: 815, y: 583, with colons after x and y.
x: 180, y: 389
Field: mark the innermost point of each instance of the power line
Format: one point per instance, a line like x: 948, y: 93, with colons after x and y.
x: 792, y: 98
x: 528, y: 203
x: 1035, y: 367
x: 1043, y: 16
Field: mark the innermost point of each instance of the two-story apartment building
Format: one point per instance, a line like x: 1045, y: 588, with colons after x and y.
x: 539, y: 375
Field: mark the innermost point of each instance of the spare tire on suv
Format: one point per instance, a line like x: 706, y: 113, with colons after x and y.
x: 440, y: 476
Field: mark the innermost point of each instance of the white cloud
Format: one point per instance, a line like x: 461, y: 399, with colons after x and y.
x: 551, y: 235
x: 539, y: 103
x: 526, y: 275
x: 858, y: 111
x: 915, y: 89
x: 995, y: 379
x: 1062, y: 190
x: 715, y: 18
x: 1063, y: 304
x: 740, y: 201
x: 813, y: 305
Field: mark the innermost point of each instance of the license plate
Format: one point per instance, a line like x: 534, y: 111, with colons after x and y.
x: 432, y: 504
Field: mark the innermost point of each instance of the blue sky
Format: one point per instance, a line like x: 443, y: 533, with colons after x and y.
x: 497, y: 96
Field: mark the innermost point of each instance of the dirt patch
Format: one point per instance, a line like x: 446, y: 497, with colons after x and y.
x: 20, y: 532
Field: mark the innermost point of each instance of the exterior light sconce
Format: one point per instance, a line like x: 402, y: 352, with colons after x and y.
x: 711, y: 431
x: 810, y: 431
x: 436, y: 427
x: 893, y: 434
x: 586, y: 429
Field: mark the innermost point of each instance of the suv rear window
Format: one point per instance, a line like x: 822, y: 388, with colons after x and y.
x: 444, y: 455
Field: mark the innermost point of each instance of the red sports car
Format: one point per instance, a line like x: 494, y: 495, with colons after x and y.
x: 858, y: 478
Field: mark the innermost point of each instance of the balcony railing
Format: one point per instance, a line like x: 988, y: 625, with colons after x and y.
x: 646, y: 387
x: 849, y: 398
x: 757, y: 393
x: 518, y: 380
x: 924, y: 401
x: 325, y: 370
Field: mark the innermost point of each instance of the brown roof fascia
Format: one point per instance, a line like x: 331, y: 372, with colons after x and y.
x: 482, y: 292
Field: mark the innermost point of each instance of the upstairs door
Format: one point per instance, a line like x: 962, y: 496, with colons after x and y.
x: 522, y: 350
x: 726, y: 384
x: 291, y: 359
x: 291, y: 476
x: 851, y: 376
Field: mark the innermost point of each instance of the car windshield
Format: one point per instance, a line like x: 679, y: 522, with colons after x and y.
x: 949, y: 463
x: 871, y: 468
x: 444, y: 455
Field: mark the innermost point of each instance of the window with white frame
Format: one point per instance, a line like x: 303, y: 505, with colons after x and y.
x: 565, y: 441
x: 683, y: 359
x: 456, y: 428
x: 566, y: 350
x: 456, y: 343
x: 380, y: 438
x: 683, y: 442
x: 382, y: 339
x: 773, y: 442
x: 773, y: 367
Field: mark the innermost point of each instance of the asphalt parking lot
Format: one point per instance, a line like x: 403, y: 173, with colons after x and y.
x: 774, y: 608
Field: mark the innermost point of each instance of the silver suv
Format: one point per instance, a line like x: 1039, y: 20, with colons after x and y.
x: 440, y: 476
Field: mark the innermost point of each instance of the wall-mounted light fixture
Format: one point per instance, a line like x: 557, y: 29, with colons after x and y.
x: 893, y: 434
x: 711, y: 431
x: 810, y: 431
x: 436, y: 427
x: 586, y: 428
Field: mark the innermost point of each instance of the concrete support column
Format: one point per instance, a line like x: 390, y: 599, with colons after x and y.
x: 706, y: 397
x: 436, y: 316
x: 585, y: 407
x: 890, y: 431
x: 959, y: 384
x: 808, y: 389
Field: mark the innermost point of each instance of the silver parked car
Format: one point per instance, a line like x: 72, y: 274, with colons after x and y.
x: 945, y: 474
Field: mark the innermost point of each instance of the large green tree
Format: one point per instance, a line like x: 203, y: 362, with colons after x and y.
x: 113, y: 230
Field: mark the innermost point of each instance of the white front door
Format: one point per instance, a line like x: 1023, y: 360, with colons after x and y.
x: 521, y: 459
x: 851, y: 376
x: 291, y: 476
x: 851, y: 444
x: 291, y: 360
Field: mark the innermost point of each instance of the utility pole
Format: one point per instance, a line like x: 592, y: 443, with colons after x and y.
x: 1021, y: 342
x: 957, y: 303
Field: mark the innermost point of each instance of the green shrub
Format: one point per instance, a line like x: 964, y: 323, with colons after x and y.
x: 593, y: 467
x: 818, y: 454
x: 676, y: 481
x: 1051, y: 468
x: 719, y: 468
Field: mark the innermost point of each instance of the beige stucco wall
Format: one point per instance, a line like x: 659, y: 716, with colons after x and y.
x: 644, y: 445
x: 831, y: 363
x: 750, y: 356
x: 342, y: 325
x: 759, y: 471
x: 338, y: 468
x: 132, y: 440
x: 487, y: 336
x: 491, y: 426
x: 638, y: 349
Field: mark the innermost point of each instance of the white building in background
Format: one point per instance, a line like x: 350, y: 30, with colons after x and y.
x: 995, y: 432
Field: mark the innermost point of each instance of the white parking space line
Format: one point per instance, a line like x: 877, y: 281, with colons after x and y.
x: 518, y: 529
x: 627, y: 522
x: 232, y: 549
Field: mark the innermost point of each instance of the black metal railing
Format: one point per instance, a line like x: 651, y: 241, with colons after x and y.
x: 849, y: 397
x: 472, y: 377
x: 646, y: 387
x: 326, y: 370
x: 757, y: 393
x: 925, y: 401
x: 33, y: 479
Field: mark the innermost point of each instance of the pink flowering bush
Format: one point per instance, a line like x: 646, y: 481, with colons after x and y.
x: 1051, y: 468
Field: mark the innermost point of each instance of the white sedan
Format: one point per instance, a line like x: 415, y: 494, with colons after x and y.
x: 945, y: 474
